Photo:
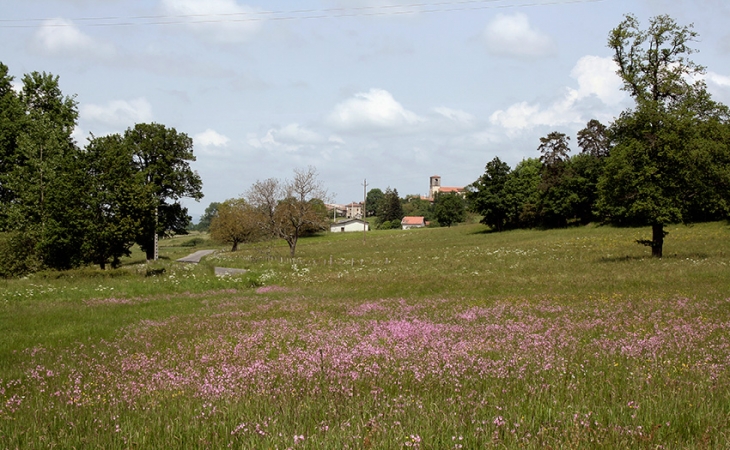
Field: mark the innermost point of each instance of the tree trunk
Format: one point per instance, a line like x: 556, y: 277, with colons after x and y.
x: 150, y: 252
x: 657, y: 240
x: 235, y: 246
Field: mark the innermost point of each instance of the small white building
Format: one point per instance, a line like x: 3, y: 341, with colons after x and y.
x: 345, y: 226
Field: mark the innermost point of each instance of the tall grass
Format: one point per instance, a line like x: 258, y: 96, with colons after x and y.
x: 435, y: 338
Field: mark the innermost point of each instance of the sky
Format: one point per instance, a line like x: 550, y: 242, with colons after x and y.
x: 389, y: 92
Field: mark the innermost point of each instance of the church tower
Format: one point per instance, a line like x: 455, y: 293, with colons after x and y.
x: 435, y: 186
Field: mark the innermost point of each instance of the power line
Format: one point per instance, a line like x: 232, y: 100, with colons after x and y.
x: 285, y: 15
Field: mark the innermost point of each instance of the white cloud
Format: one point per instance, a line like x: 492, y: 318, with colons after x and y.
x: 218, y: 20
x: 290, y: 138
x: 211, y: 138
x: 512, y: 35
x: 596, y: 79
x: 371, y: 111
x: 119, y: 112
x: 460, y: 117
x: 717, y: 79
x: 597, y: 76
x: 62, y: 37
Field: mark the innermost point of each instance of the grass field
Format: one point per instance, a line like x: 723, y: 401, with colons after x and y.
x: 431, y: 339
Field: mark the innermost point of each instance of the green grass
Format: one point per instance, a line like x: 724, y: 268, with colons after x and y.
x: 433, y: 338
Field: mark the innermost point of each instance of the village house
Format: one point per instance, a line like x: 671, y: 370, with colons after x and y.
x: 354, y: 211
x: 409, y: 222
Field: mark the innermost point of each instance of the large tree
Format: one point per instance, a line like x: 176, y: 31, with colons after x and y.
x: 116, y: 200
x: 373, y: 201
x: 487, y: 195
x: 449, y: 208
x: 671, y: 149
x: 11, y: 120
x: 41, y: 192
x: 391, y: 208
x: 163, y: 156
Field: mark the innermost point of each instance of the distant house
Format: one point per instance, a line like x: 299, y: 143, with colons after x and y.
x: 354, y: 211
x: 335, y: 210
x: 409, y: 222
x: 348, y: 225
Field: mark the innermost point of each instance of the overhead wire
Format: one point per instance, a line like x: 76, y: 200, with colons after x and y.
x: 285, y: 15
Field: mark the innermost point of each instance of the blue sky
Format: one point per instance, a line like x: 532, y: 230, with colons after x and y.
x: 392, y: 91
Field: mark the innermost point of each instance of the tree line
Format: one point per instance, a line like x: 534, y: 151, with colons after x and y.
x: 388, y: 208
x: 63, y: 205
x: 272, y: 209
x: 664, y: 161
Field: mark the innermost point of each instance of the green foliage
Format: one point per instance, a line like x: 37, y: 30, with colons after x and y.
x: 418, y: 207
x: 672, y: 149
x: 449, y: 209
x: 236, y: 222
x: 163, y: 156
x: 205, y: 219
x: 487, y: 196
x: 522, y: 194
x: 373, y: 201
x: 116, y: 202
x: 594, y: 140
x: 390, y: 207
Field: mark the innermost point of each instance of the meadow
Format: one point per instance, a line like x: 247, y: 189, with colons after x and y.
x: 428, y: 339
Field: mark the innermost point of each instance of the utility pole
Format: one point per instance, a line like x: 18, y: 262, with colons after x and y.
x: 364, y: 209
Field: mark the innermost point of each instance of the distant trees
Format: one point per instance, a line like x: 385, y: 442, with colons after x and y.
x: 291, y: 209
x: 449, y: 209
x: 62, y: 206
x: 666, y: 160
x: 204, y: 222
x: 391, y: 209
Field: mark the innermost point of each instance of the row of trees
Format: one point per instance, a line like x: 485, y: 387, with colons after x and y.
x: 389, y: 208
x: 273, y: 208
x: 667, y: 160
x: 63, y: 206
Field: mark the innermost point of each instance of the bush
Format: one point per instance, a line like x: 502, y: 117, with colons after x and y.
x: 17, y: 256
x: 194, y: 242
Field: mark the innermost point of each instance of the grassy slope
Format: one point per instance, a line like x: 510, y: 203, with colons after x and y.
x: 461, y: 267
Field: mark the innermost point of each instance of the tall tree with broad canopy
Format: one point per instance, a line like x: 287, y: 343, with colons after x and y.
x: 291, y: 209
x: 556, y: 200
x: 116, y: 201
x: 163, y: 156
x: 235, y: 222
x: 671, y: 151
x: 12, y: 116
x: 449, y: 208
x: 391, y: 208
x: 373, y: 200
x: 487, y: 195
x: 42, y: 197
